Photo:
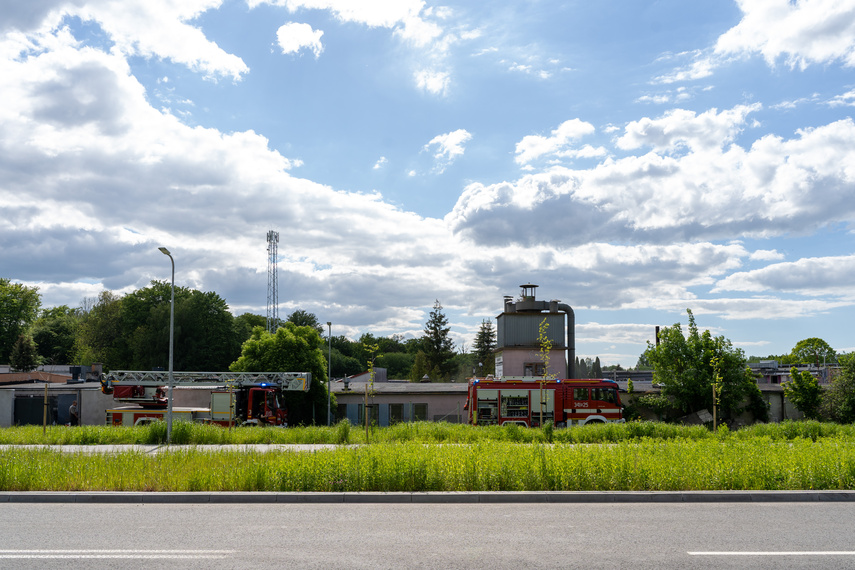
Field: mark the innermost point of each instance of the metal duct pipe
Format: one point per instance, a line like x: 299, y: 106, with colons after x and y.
x: 571, y: 338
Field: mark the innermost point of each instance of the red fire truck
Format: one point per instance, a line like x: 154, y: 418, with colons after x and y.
x: 525, y: 400
x: 235, y: 397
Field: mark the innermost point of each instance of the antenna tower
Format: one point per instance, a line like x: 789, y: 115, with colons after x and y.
x: 272, y: 282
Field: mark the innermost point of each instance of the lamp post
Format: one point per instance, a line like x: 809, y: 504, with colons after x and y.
x: 165, y: 251
x: 329, y: 369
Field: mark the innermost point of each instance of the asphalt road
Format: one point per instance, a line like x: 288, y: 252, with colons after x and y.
x: 376, y: 536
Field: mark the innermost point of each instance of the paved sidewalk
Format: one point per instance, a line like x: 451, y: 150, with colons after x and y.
x: 108, y: 497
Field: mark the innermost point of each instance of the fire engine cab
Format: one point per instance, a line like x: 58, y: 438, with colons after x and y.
x: 531, y: 401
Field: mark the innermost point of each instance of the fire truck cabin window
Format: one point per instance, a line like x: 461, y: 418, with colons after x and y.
x: 580, y: 393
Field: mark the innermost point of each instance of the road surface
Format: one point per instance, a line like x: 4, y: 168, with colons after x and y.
x: 445, y: 536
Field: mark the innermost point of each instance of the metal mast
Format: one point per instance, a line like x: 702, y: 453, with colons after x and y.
x: 272, y: 282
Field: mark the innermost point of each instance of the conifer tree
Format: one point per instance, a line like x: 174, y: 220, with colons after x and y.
x: 438, y: 347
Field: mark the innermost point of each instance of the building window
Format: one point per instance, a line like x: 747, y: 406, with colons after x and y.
x: 373, y: 414
x: 396, y: 413
x: 533, y: 369
x: 420, y: 412
x: 340, y: 412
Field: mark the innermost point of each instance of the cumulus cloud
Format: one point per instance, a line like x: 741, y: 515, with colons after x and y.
x: 293, y: 37
x: 801, y: 33
x: 447, y: 147
x: 148, y: 28
x: 714, y: 190
x: 815, y: 276
x: 681, y: 128
x: 532, y: 147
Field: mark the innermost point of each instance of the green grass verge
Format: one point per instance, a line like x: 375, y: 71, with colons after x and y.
x: 644, y: 464
x: 423, y: 432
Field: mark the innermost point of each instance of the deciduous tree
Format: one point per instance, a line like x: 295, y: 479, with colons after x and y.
x: 19, y: 306
x: 291, y: 348
x: 804, y: 392
x: 838, y: 402
x: 55, y: 332
x: 686, y: 368
x: 813, y: 351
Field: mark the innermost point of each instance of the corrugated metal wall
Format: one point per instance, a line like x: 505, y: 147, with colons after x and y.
x: 522, y: 329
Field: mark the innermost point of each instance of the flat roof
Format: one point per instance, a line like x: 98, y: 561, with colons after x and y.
x: 403, y: 388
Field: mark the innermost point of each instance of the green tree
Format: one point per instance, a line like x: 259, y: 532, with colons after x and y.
x: 205, y: 336
x: 643, y: 363
x: 101, y: 336
x: 397, y: 364
x: 582, y: 370
x: 291, y: 348
x: 303, y: 318
x: 24, y: 355
x: 19, y: 307
x: 438, y: 347
x: 685, y: 367
x: 243, y: 325
x: 54, y: 333
x: 596, y: 369
x: 804, y: 392
x: 484, y: 346
x: 838, y: 402
x: 421, y: 366
x: 813, y: 351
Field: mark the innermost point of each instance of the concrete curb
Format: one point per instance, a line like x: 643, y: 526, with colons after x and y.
x: 108, y: 497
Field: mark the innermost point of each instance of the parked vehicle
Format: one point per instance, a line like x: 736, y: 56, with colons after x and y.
x: 531, y: 401
x: 254, y: 398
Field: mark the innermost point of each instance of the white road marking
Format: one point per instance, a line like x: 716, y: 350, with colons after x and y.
x: 116, y: 554
x: 778, y: 553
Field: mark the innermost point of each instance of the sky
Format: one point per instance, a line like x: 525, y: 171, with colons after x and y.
x: 632, y: 159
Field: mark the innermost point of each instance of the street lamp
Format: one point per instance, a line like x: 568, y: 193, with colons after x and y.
x: 329, y: 369
x: 165, y: 251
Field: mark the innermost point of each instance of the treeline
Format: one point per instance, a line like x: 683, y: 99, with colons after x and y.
x: 131, y: 332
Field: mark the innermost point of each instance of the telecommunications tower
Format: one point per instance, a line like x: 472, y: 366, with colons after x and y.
x: 272, y: 282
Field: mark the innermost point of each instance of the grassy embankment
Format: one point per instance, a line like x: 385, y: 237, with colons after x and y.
x: 635, y: 456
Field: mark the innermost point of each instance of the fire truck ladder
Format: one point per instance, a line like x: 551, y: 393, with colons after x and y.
x: 288, y: 381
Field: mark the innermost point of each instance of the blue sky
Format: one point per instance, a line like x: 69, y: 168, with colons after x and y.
x: 633, y: 159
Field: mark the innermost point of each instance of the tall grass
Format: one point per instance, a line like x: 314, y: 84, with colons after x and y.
x: 422, y: 432
x: 643, y: 464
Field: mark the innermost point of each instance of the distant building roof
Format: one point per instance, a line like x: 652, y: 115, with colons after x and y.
x: 403, y: 388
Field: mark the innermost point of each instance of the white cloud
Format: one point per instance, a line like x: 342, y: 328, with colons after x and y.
x: 448, y: 147
x: 714, y: 190
x: 381, y: 162
x: 148, y: 28
x: 293, y: 37
x: 402, y: 15
x: 803, y: 32
x: 417, y: 25
x: 846, y: 99
x: 815, y: 276
x: 681, y: 128
x: 433, y: 81
x: 532, y: 147
x: 766, y: 255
